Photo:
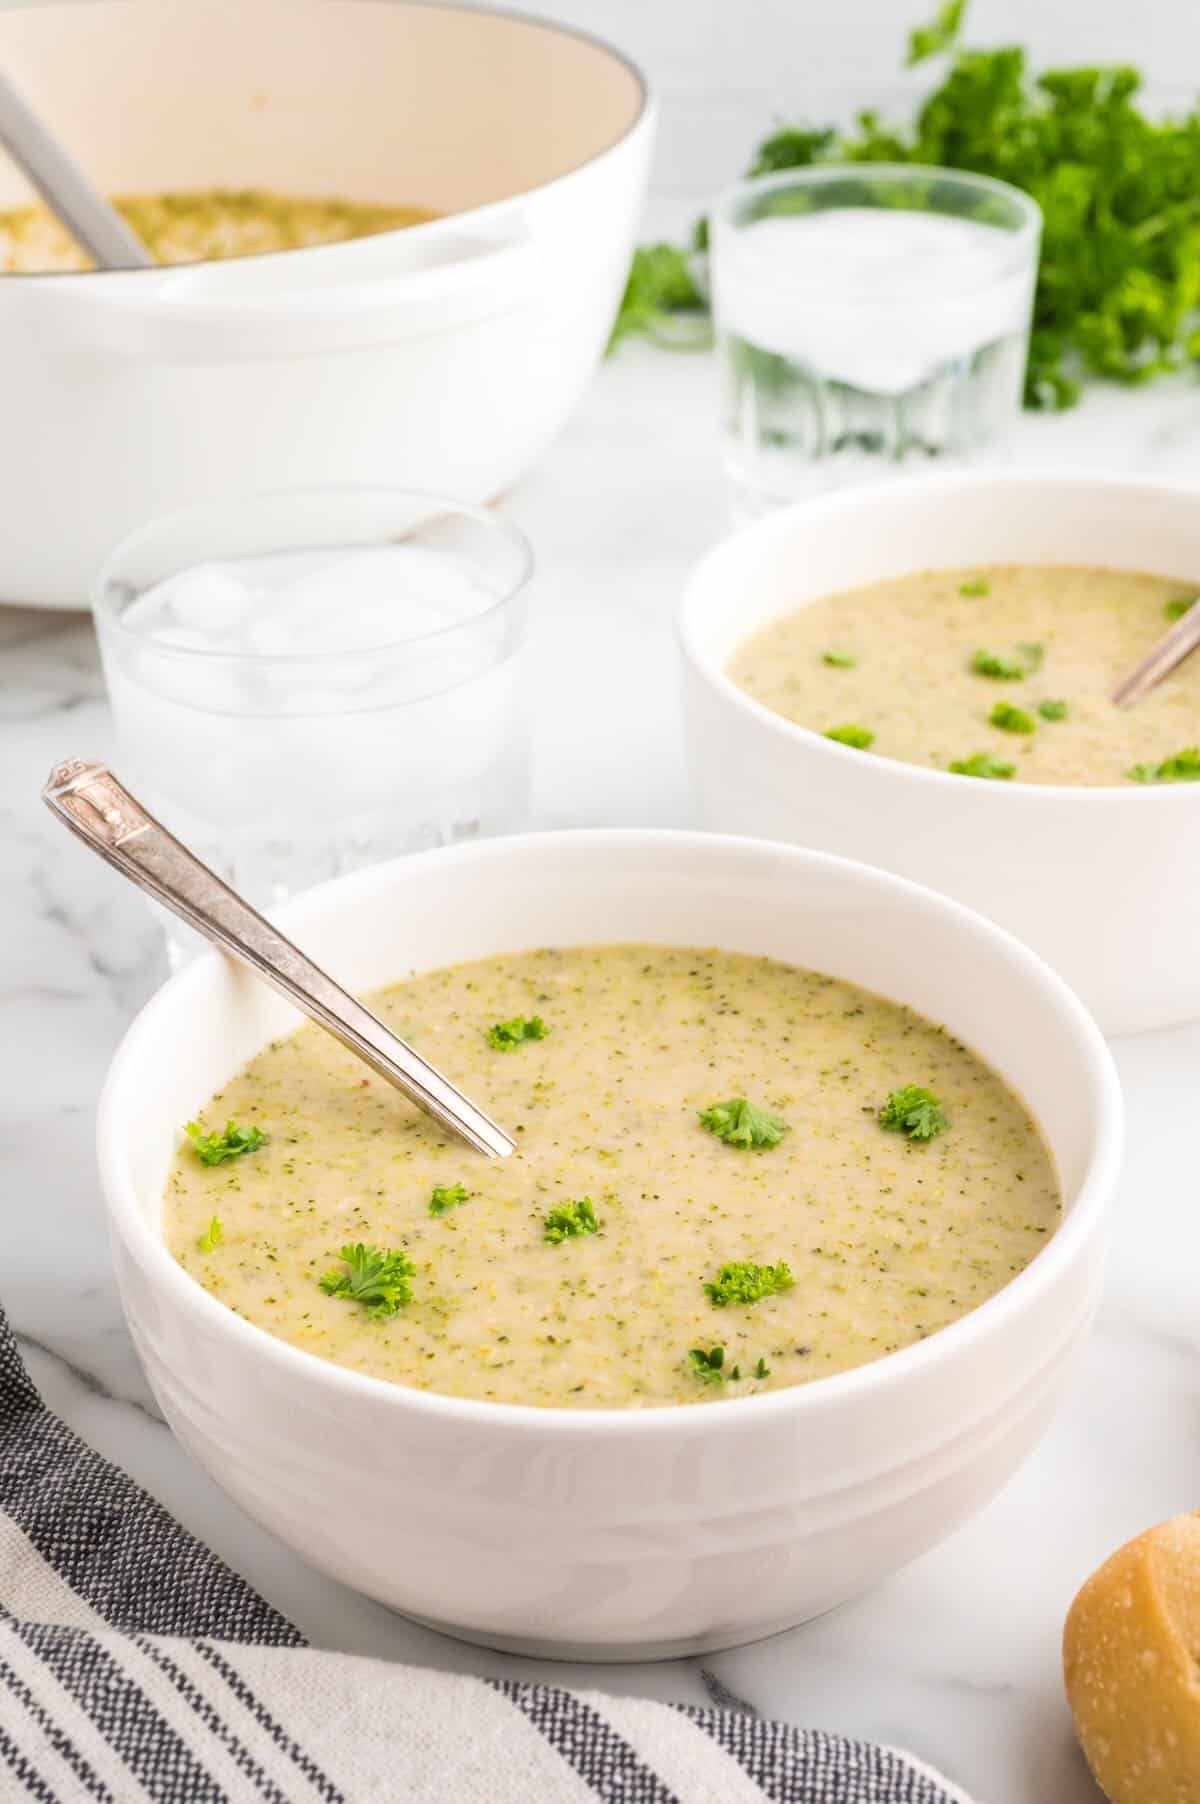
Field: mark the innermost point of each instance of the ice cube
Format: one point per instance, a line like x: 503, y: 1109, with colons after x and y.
x: 207, y: 599
x: 212, y: 598
x: 380, y: 595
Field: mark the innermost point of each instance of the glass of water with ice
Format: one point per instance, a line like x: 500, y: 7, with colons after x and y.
x: 868, y: 317
x: 315, y: 679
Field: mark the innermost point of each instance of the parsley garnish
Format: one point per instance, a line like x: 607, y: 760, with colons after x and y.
x: 738, y: 1123
x: 708, y: 1367
x: 745, y: 1282
x: 212, y: 1235
x: 504, y: 1035
x: 214, y: 1149
x: 975, y: 585
x: 445, y: 1196
x: 839, y: 660
x: 982, y: 764
x: 1053, y: 710
x: 1184, y: 767
x: 569, y: 1219
x: 1008, y: 670
x: 1175, y: 610
x: 915, y: 1112
x: 374, y: 1277
x: 858, y: 737
x: 1011, y: 719
x: 990, y: 664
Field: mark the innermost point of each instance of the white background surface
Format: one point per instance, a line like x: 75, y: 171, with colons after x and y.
x: 957, y: 1657
x: 727, y: 68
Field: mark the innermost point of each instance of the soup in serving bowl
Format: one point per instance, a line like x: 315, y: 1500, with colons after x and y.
x: 1004, y: 673
x: 919, y: 675
x: 707, y: 1156
x: 622, y: 1524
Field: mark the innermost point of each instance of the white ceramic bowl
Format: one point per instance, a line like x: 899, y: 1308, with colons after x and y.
x: 441, y: 357
x: 1101, y: 882
x: 612, y: 1534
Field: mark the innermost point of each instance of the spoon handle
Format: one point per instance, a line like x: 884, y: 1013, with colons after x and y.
x: 1162, y: 658
x: 62, y: 184
x: 94, y: 805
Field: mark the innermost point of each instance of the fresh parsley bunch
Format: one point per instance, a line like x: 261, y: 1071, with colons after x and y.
x: 1118, y: 291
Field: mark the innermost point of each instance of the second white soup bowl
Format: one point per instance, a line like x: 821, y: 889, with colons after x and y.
x: 615, y: 1534
x: 1100, y: 881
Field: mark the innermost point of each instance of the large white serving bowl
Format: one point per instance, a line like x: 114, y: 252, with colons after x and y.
x: 1101, y: 882
x: 443, y: 357
x: 616, y: 1534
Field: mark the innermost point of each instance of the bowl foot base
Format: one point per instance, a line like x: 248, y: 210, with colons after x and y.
x: 618, y: 1653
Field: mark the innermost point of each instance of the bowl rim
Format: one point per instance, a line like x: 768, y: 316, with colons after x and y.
x: 787, y: 521
x: 644, y: 116
x: 172, y: 1285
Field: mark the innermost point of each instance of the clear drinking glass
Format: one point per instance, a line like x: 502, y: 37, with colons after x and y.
x: 315, y: 679
x: 868, y: 316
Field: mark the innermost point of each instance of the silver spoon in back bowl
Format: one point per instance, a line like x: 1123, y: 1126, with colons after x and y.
x: 1165, y: 656
x: 90, y: 800
x: 65, y: 186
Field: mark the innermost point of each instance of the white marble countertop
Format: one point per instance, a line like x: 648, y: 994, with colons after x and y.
x: 956, y: 1657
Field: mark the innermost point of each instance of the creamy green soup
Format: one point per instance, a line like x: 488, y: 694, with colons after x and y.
x: 1002, y: 672
x: 686, y: 1119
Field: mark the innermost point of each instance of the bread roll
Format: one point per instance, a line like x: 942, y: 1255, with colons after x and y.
x: 1131, y: 1658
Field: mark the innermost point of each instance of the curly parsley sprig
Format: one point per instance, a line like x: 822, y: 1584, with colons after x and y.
x: 213, y: 1235
x: 742, y: 1281
x: 447, y: 1196
x: 914, y: 1112
x: 982, y: 764
x: 740, y: 1123
x: 505, y: 1036
x: 1184, y: 767
x: 223, y: 1143
x: 708, y: 1365
x: 569, y: 1219
x: 373, y: 1276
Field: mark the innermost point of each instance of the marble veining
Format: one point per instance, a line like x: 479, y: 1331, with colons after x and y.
x: 956, y: 1657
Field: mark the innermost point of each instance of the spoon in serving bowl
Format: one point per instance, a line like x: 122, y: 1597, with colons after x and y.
x: 64, y: 186
x: 89, y: 800
x: 1164, y: 657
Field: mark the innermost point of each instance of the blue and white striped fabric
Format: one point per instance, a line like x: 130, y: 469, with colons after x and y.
x: 134, y: 1666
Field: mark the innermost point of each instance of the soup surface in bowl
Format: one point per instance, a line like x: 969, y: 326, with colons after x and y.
x: 199, y: 225
x: 732, y: 1175
x: 1000, y: 671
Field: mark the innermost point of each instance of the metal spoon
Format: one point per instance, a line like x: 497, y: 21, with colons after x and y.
x: 64, y: 187
x: 1160, y: 660
x: 93, y: 804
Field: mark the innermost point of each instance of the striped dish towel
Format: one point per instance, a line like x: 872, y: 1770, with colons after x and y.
x: 135, y: 1666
